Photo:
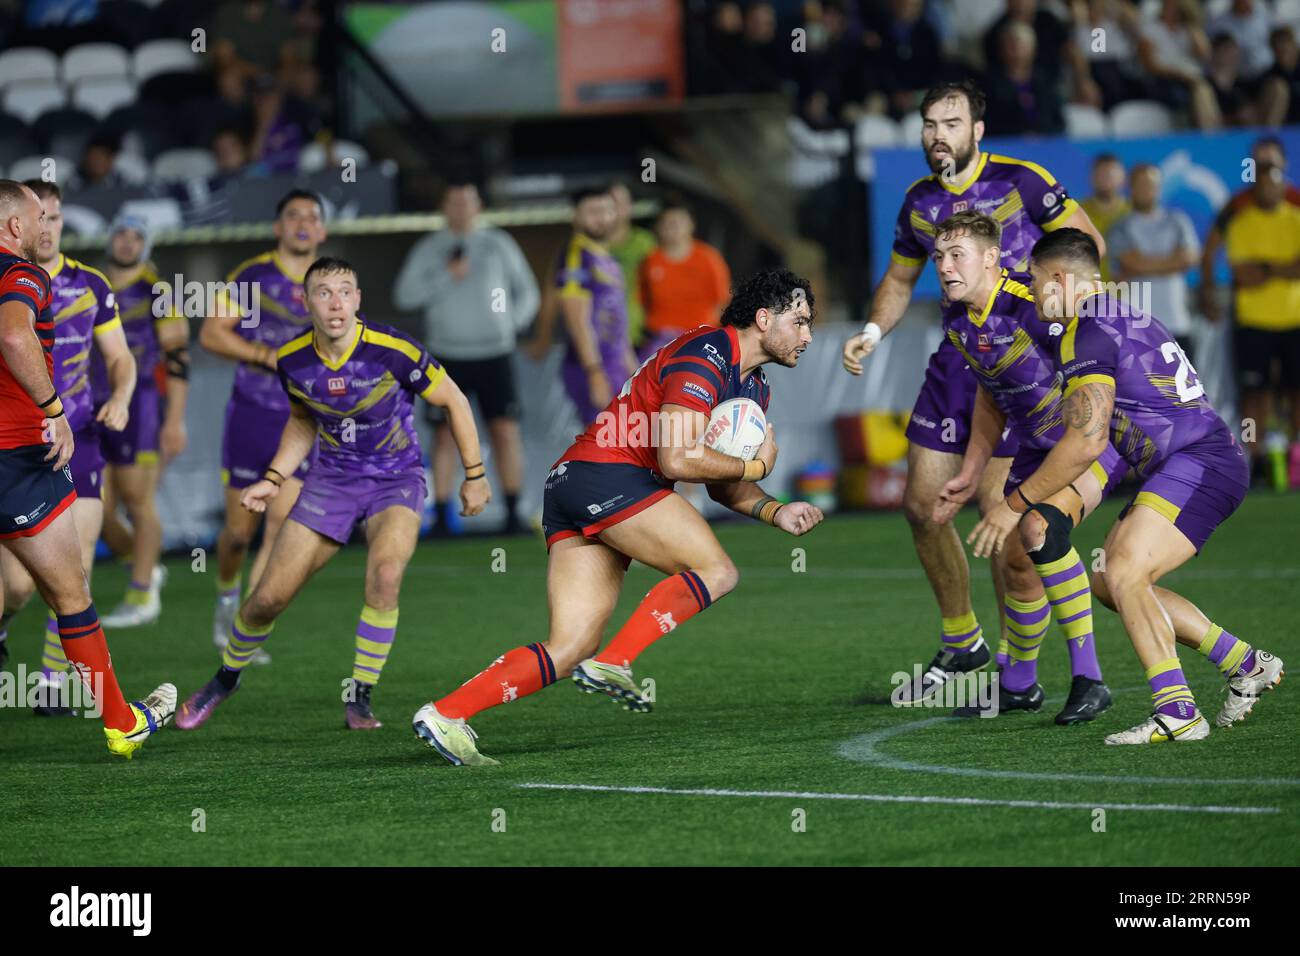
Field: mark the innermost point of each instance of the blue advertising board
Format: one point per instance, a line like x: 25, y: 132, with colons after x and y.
x: 1200, y: 170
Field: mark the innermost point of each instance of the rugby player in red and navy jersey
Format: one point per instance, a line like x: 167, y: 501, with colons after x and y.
x: 610, y: 500
x: 36, y: 486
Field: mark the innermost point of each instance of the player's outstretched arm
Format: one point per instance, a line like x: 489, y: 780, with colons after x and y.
x: 1087, y: 412
x: 296, y: 442
x: 986, y: 426
x: 682, y: 457
x: 120, y: 366
x: 475, y: 492
x: 887, y: 308
x: 748, y: 499
x: 25, y: 358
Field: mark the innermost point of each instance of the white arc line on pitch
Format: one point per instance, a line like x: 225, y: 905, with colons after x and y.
x: 866, y: 749
x: 900, y: 798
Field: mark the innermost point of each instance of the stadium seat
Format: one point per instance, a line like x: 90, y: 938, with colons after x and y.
x: 912, y: 124
x: 99, y: 96
x: 175, y: 165
x: 31, y: 167
x: 17, y: 142
x: 132, y: 167
x: 30, y: 100
x: 144, y: 128
x: 876, y: 132
x: 27, y: 65
x: 162, y: 213
x: 95, y: 59
x: 65, y: 131
x: 1085, y: 122
x: 164, y: 56
x: 315, y: 156
x: 82, y: 221
x: 1140, y: 118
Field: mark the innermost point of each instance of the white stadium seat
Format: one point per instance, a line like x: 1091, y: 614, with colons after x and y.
x: 178, y: 164
x: 99, y: 96
x: 33, y: 167
x: 27, y: 64
x: 877, y: 132
x: 316, y: 156
x: 160, y: 214
x: 1140, y: 118
x: 132, y: 167
x: 29, y: 100
x: 164, y: 56
x: 1085, y: 122
x: 95, y: 59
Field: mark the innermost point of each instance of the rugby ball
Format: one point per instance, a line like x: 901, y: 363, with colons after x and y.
x: 737, y: 428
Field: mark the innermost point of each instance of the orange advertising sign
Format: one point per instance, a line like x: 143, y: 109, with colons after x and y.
x: 619, y: 53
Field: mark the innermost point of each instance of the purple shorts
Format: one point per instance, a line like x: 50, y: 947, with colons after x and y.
x: 1198, y: 487
x: 942, y: 413
x: 249, y: 443
x: 137, y: 443
x: 87, y: 462
x: 576, y: 384
x: 1110, y: 468
x: 332, y: 504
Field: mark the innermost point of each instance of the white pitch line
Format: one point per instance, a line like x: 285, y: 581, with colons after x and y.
x: 902, y: 798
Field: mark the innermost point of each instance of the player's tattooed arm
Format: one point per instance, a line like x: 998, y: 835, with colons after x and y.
x: 1089, y: 409
x: 1087, y: 413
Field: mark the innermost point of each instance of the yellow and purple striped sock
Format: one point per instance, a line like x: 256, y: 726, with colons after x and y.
x: 54, y: 663
x: 961, y: 634
x: 1027, y: 623
x: 375, y: 633
x: 1230, y: 654
x: 244, y: 642
x: 228, y: 589
x: 137, y: 594
x: 1070, y: 594
x: 1169, y: 691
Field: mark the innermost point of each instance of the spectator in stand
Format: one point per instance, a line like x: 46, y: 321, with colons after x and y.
x: 1107, y: 204
x: 1263, y: 245
x: 1112, y: 76
x: 1022, y: 98
x: 98, y: 160
x: 457, y: 276
x: 1154, y: 246
x: 832, y: 84
x: 1234, y: 96
x: 1053, y: 45
x: 1280, y: 86
x: 253, y: 36
x: 723, y: 51
x: 1248, y: 22
x: 1174, y: 52
x: 283, y: 125
x: 630, y: 244
x: 684, y: 283
x: 904, y: 53
x: 762, y: 56
x: 1266, y: 151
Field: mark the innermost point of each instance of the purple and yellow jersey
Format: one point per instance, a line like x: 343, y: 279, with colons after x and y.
x: 83, y: 307
x: 588, y: 270
x: 1023, y: 197
x: 143, y: 312
x: 1009, y: 349
x: 362, y: 404
x: 1160, y: 405
x: 261, y: 285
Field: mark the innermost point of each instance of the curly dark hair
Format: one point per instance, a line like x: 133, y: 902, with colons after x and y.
x: 776, y: 290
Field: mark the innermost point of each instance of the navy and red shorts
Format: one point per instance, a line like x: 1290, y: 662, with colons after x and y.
x: 586, y: 497
x: 32, y: 494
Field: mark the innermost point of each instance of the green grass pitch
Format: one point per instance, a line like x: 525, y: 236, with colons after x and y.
x: 774, y: 690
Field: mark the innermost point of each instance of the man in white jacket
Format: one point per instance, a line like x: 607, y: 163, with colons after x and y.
x: 478, y: 293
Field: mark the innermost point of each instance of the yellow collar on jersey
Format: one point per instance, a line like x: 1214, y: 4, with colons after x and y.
x: 335, y: 366
x: 983, y: 317
x: 970, y: 180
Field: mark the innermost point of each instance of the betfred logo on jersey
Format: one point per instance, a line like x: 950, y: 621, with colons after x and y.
x: 336, y: 385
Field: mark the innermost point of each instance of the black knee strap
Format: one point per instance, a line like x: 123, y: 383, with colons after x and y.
x: 1056, y: 542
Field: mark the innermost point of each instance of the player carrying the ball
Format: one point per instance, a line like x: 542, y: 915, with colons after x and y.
x: 351, y: 382
x: 609, y: 500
